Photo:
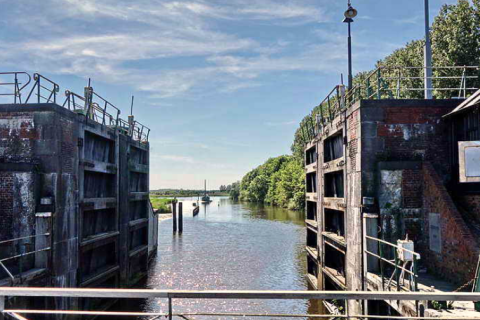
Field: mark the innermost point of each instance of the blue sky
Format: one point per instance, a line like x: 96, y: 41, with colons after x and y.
x: 221, y: 83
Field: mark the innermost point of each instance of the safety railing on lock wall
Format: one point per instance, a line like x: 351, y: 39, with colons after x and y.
x: 398, y: 83
x: 23, y: 250
x: 44, y: 89
x: 140, y: 132
x: 356, y: 297
x: 397, y: 265
x: 14, y: 85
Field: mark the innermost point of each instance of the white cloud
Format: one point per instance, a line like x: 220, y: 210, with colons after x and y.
x: 110, y: 40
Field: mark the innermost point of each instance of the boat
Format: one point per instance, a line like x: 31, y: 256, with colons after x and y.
x: 196, y: 210
x: 206, y: 197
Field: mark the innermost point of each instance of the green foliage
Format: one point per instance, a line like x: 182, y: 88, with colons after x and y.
x: 279, y: 181
x: 162, y: 204
x: 455, y: 38
x: 234, y: 191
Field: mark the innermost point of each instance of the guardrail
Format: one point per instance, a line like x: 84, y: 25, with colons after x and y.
x: 140, y: 132
x: 262, y: 295
x: 399, y: 266
x: 399, y: 83
x: 49, y: 94
x: 21, y: 256
x: 18, y: 86
x: 91, y: 104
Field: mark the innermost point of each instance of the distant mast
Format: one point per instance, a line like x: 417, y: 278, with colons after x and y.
x: 206, y: 198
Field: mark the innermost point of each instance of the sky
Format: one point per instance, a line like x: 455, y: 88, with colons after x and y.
x: 221, y: 83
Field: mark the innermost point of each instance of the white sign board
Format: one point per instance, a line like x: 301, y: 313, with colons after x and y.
x: 469, y: 161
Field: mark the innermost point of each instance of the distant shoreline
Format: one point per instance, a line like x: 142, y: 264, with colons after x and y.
x: 178, y: 195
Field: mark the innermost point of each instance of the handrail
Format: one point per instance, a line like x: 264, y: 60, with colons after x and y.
x: 70, y: 101
x: 394, y: 245
x: 23, y: 238
x: 399, y: 276
x: 236, y: 294
x: 230, y: 294
x: 139, y: 132
x: 103, y: 110
x: 52, y: 91
x: 21, y: 255
x: 17, y: 88
x: 380, y: 84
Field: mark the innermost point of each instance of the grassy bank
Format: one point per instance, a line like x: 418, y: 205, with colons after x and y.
x: 162, y: 204
x: 186, y: 193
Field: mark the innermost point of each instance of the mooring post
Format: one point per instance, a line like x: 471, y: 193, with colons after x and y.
x: 180, y: 217
x: 174, y: 211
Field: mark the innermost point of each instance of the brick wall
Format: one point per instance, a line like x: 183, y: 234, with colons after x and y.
x: 471, y: 204
x: 459, y: 247
x: 415, y: 133
x: 6, y: 207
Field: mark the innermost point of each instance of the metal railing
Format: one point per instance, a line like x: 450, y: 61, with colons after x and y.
x: 73, y: 101
x: 140, y: 132
x: 170, y: 295
x: 398, y: 83
x: 398, y: 267
x: 99, y: 111
x: 17, y: 84
x: 91, y: 105
x: 21, y: 255
x: 48, y: 94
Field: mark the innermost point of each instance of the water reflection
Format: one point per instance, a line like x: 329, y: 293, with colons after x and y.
x: 231, y: 246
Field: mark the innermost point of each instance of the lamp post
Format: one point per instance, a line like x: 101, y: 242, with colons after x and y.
x: 349, y: 15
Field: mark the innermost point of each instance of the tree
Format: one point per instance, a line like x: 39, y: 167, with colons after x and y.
x: 235, y: 190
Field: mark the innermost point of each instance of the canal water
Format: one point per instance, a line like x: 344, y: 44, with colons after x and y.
x: 231, y: 246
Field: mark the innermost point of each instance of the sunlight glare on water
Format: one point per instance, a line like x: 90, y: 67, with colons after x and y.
x: 231, y: 246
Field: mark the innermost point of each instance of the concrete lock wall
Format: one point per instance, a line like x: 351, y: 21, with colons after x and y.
x: 390, y: 147
x: 97, y: 181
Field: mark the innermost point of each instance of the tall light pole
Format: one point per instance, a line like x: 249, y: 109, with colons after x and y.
x: 349, y: 15
x: 427, y: 56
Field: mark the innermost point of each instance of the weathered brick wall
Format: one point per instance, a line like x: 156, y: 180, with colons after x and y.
x: 415, y: 133
x: 459, y: 247
x: 471, y: 204
x: 6, y: 207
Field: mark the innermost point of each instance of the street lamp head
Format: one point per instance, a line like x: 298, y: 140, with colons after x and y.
x: 350, y: 13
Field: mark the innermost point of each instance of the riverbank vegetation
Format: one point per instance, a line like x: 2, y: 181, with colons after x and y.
x: 455, y: 38
x: 279, y: 181
x: 171, y: 193
x: 161, y: 204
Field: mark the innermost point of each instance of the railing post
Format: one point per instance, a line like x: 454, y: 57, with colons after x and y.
x: 16, y: 91
x: 396, y: 271
x: 369, y: 88
x: 38, y: 88
x: 19, y: 246
x: 379, y: 82
x: 380, y: 251
x: 415, y: 284
x: 398, y: 82
x: 170, y: 309
x: 2, y: 307
x: 329, y: 110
